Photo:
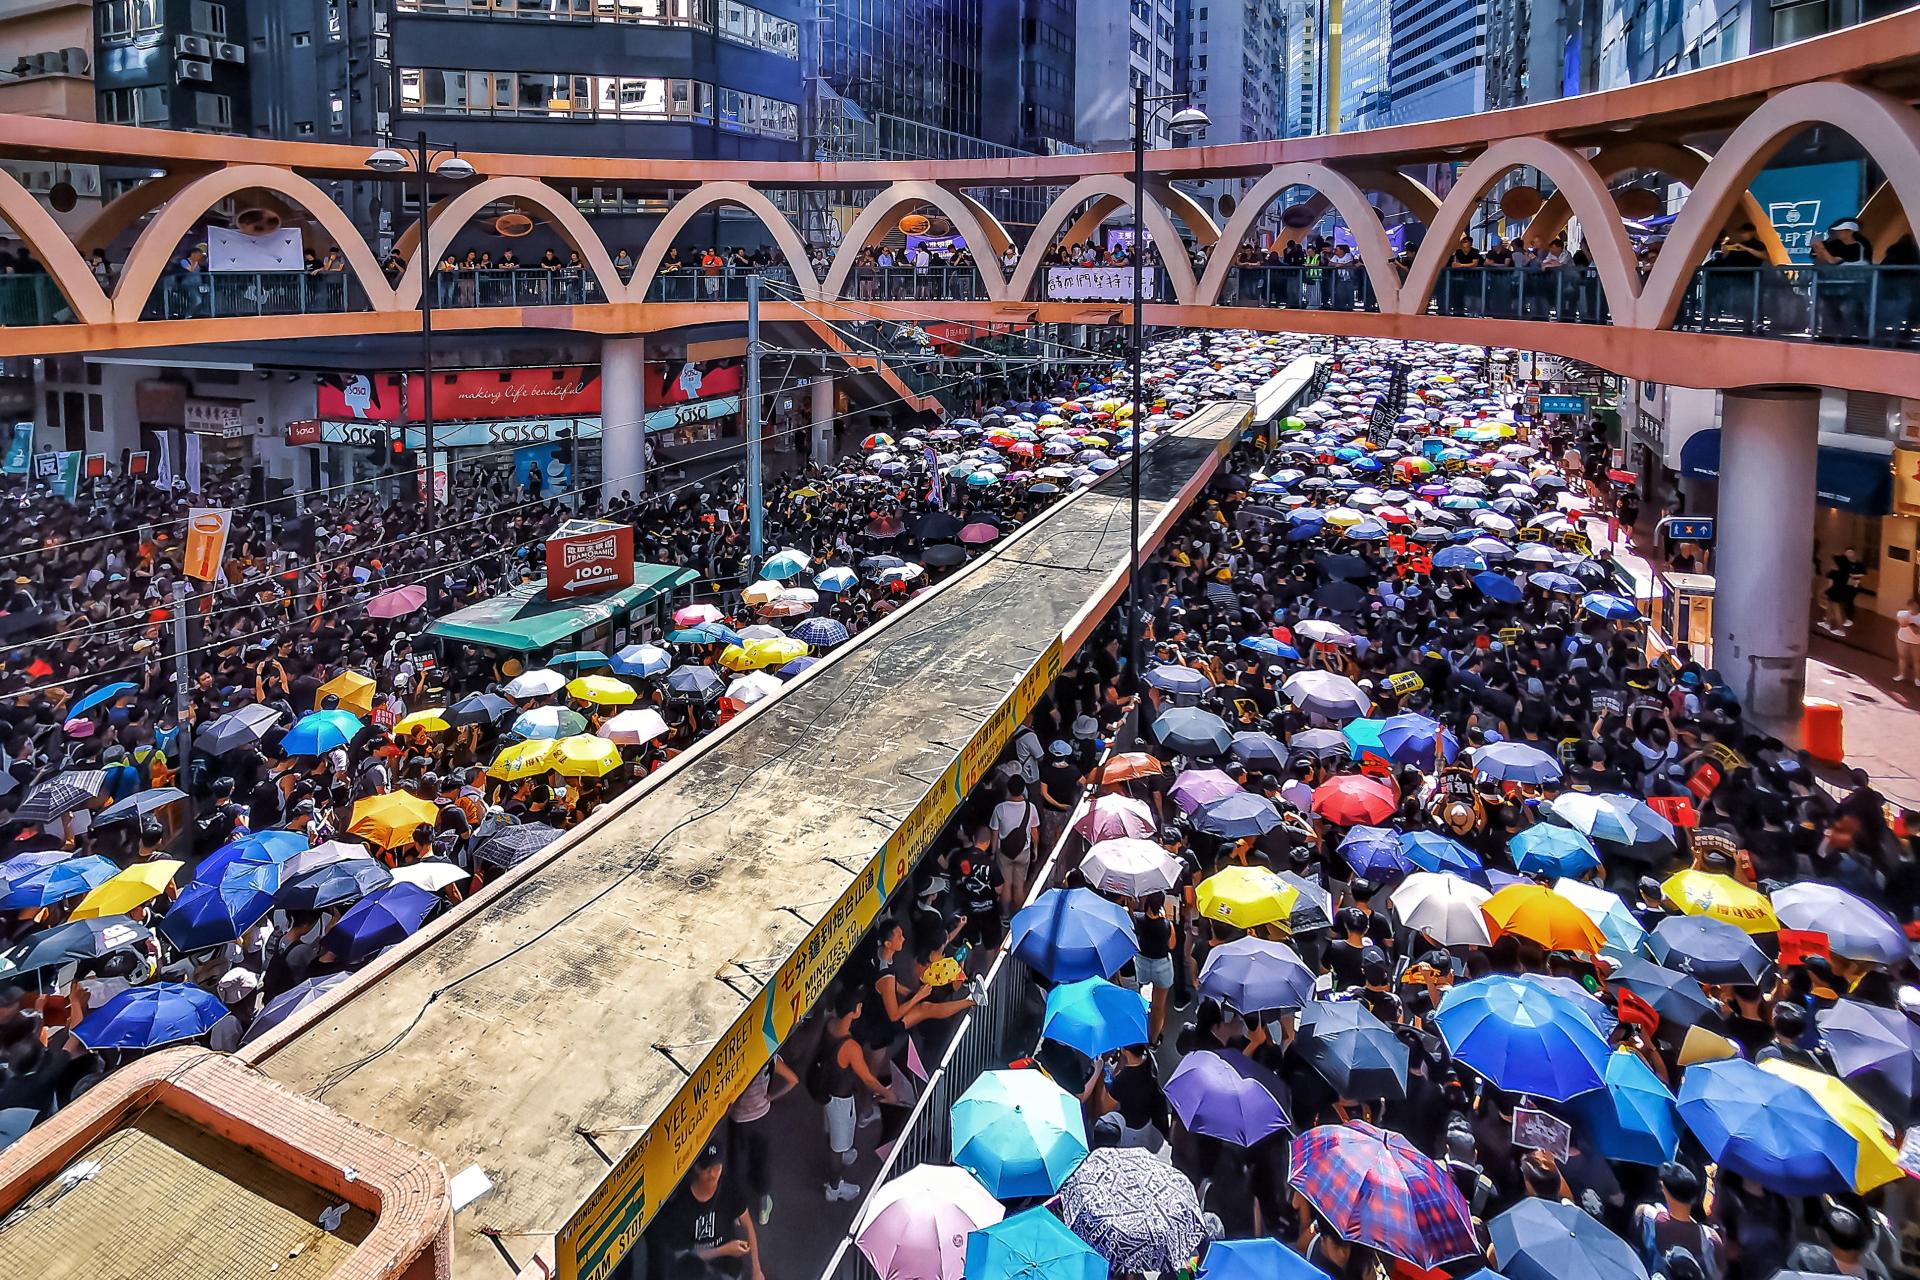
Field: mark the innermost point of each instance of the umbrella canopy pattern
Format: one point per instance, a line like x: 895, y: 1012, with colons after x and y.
x: 1762, y: 1126
x: 1019, y: 1133
x: 1353, y: 1051
x: 1546, y: 1240
x: 1374, y: 1188
x: 918, y: 1223
x: 1136, y: 1212
x: 1253, y: 975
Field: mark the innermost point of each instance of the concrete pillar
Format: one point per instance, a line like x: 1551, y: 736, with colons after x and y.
x: 623, y: 417
x: 820, y: 435
x: 1763, y: 559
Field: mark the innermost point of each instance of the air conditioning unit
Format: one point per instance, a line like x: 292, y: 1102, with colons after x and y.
x: 194, y: 71
x: 227, y: 52
x: 192, y: 46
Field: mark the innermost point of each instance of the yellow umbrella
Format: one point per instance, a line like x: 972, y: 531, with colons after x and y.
x: 585, y: 756
x: 1247, y: 897
x: 602, y: 690
x: 138, y: 884
x: 432, y: 719
x: 523, y: 759
x: 1879, y: 1162
x: 1720, y: 897
x: 734, y: 658
x: 1538, y: 913
x: 354, y: 691
x: 389, y: 819
x: 774, y: 653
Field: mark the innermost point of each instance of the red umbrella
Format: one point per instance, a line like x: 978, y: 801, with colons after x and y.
x: 1353, y: 799
x: 397, y: 602
x: 978, y: 532
x: 886, y: 527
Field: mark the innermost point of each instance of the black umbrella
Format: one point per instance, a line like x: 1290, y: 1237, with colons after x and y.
x: 1710, y: 950
x: 59, y: 796
x: 694, y: 684
x: 236, y: 729
x: 1341, y: 597
x: 1352, y: 1050
x: 332, y: 884
x: 477, y: 708
x: 944, y: 556
x: 1877, y: 1051
x: 1675, y: 996
x: 1193, y: 732
x: 936, y: 526
x: 76, y: 940
x: 1345, y: 568
x: 511, y: 846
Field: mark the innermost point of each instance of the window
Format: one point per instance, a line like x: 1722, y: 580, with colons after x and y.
x: 750, y: 26
x: 147, y: 105
x: 125, y: 19
x: 559, y: 95
x: 212, y: 111
x: 209, y: 19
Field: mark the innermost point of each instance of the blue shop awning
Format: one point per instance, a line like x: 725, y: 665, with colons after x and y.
x: 1849, y: 479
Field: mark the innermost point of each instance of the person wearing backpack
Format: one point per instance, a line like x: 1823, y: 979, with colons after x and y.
x: 1016, y: 833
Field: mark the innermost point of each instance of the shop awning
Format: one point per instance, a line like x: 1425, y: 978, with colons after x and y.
x: 1850, y: 479
x: 523, y: 619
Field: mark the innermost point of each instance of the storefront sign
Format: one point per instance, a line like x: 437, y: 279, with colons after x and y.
x: 449, y: 435
x: 215, y: 418
x: 587, y: 557
x: 1096, y: 284
x: 19, y: 457
x: 469, y: 395
x: 305, y: 431
x: 1851, y: 479
x: 687, y: 415
x: 1803, y: 200
x: 1563, y: 404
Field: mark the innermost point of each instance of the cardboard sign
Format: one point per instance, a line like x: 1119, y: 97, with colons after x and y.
x: 1538, y: 1131
x: 1402, y: 683
x: 1678, y: 810
x: 1797, y: 944
x: 588, y: 557
x: 1419, y: 559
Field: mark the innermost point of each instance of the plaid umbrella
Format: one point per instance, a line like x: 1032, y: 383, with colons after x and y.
x: 1136, y: 1212
x: 59, y: 796
x: 1376, y: 1190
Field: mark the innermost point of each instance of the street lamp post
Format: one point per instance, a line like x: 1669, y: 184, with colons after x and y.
x: 425, y: 160
x: 1185, y: 121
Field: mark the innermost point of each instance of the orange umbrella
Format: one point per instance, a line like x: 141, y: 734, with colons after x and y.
x: 1538, y: 913
x: 1129, y: 765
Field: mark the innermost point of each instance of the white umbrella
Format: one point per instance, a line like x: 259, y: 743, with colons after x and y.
x: 634, y: 727
x: 1320, y: 631
x: 432, y: 875
x: 1130, y: 867
x: 539, y: 683
x: 1444, y: 907
x: 755, y: 686
x: 762, y: 631
x: 322, y: 855
x: 762, y: 591
x: 916, y: 1226
x: 1323, y: 693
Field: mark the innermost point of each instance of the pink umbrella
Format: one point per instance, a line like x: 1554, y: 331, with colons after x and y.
x: 978, y: 532
x: 916, y: 1226
x: 1195, y: 787
x: 397, y: 602
x: 1111, y: 817
x: 695, y: 614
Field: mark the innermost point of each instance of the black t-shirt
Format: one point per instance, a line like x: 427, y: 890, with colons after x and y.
x: 1343, y: 961
x: 1061, y: 779
x: 686, y: 1224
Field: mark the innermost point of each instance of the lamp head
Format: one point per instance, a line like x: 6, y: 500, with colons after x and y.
x: 1188, y: 121
x: 454, y: 168
x: 387, y: 160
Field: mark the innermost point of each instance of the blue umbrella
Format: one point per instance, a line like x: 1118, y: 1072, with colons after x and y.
x: 1765, y: 1127
x: 822, y: 633
x: 319, y: 732
x: 1459, y: 558
x: 836, y: 579
x: 1237, y: 816
x: 1033, y: 1245
x: 1409, y: 738
x: 1095, y: 1017
x: 1547, y: 1240
x: 1516, y: 762
x: 1635, y: 1118
x: 207, y: 914
x: 269, y: 848
x: 21, y: 865
x: 1431, y: 851
x: 1523, y: 1037
x: 1547, y: 849
x: 641, y: 660
x: 1498, y: 586
x: 379, y: 920
x: 1614, y: 608
x: 1258, y: 750
x: 1262, y: 1259
x: 104, y: 694
x: 1271, y: 647
x: 1070, y: 934
x: 57, y: 883
x: 1019, y: 1133
x: 334, y: 883
x: 1376, y: 853
x: 794, y: 668
x: 580, y: 660
x: 717, y: 633
x: 150, y: 1016
x: 1564, y: 584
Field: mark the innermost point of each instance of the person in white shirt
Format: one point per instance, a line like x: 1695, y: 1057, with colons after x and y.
x: 1906, y: 641
x: 1015, y: 824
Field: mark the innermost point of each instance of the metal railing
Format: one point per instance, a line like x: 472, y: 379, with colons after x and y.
x: 32, y: 298
x: 209, y: 295
x: 729, y: 284
x: 890, y: 284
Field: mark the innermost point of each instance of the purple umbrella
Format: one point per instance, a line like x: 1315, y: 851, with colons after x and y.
x: 1227, y: 1096
x: 1195, y: 787
x: 379, y: 920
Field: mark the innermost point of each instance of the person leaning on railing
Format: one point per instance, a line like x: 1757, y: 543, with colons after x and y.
x: 1843, y: 288
x: 1724, y: 293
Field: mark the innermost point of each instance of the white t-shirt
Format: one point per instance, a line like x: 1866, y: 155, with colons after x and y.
x: 1909, y: 632
x: 1010, y: 815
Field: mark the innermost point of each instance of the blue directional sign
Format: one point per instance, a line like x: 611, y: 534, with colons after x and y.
x: 1688, y: 529
x: 1563, y: 404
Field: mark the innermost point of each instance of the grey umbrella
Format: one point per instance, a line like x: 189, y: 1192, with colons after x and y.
x: 1136, y: 1212
x: 1877, y: 1051
x: 140, y: 804
x: 1193, y: 732
x: 236, y: 729
x: 61, y: 795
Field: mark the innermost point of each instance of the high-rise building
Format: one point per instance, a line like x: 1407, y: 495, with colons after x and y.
x: 50, y: 73
x: 1436, y: 63
x: 1302, y: 40
x: 1359, y: 48
x: 1236, y: 71
x: 1150, y: 32
x: 172, y: 64
x: 1029, y: 44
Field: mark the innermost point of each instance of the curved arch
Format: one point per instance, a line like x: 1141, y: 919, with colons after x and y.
x: 698, y: 201
x: 1882, y: 220
x: 998, y: 238
x: 1160, y: 230
x: 1683, y: 164
x: 1338, y: 189
x: 1416, y: 195
x: 151, y: 252
x: 1184, y: 207
x: 572, y: 224
x: 1588, y: 195
x: 1884, y: 126
x: 871, y: 223
x: 1088, y: 223
x: 119, y: 214
x: 50, y: 246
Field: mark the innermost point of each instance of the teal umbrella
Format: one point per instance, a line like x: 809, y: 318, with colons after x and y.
x: 1633, y: 1119
x: 1019, y: 1133
x: 1095, y: 1016
x: 1033, y: 1245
